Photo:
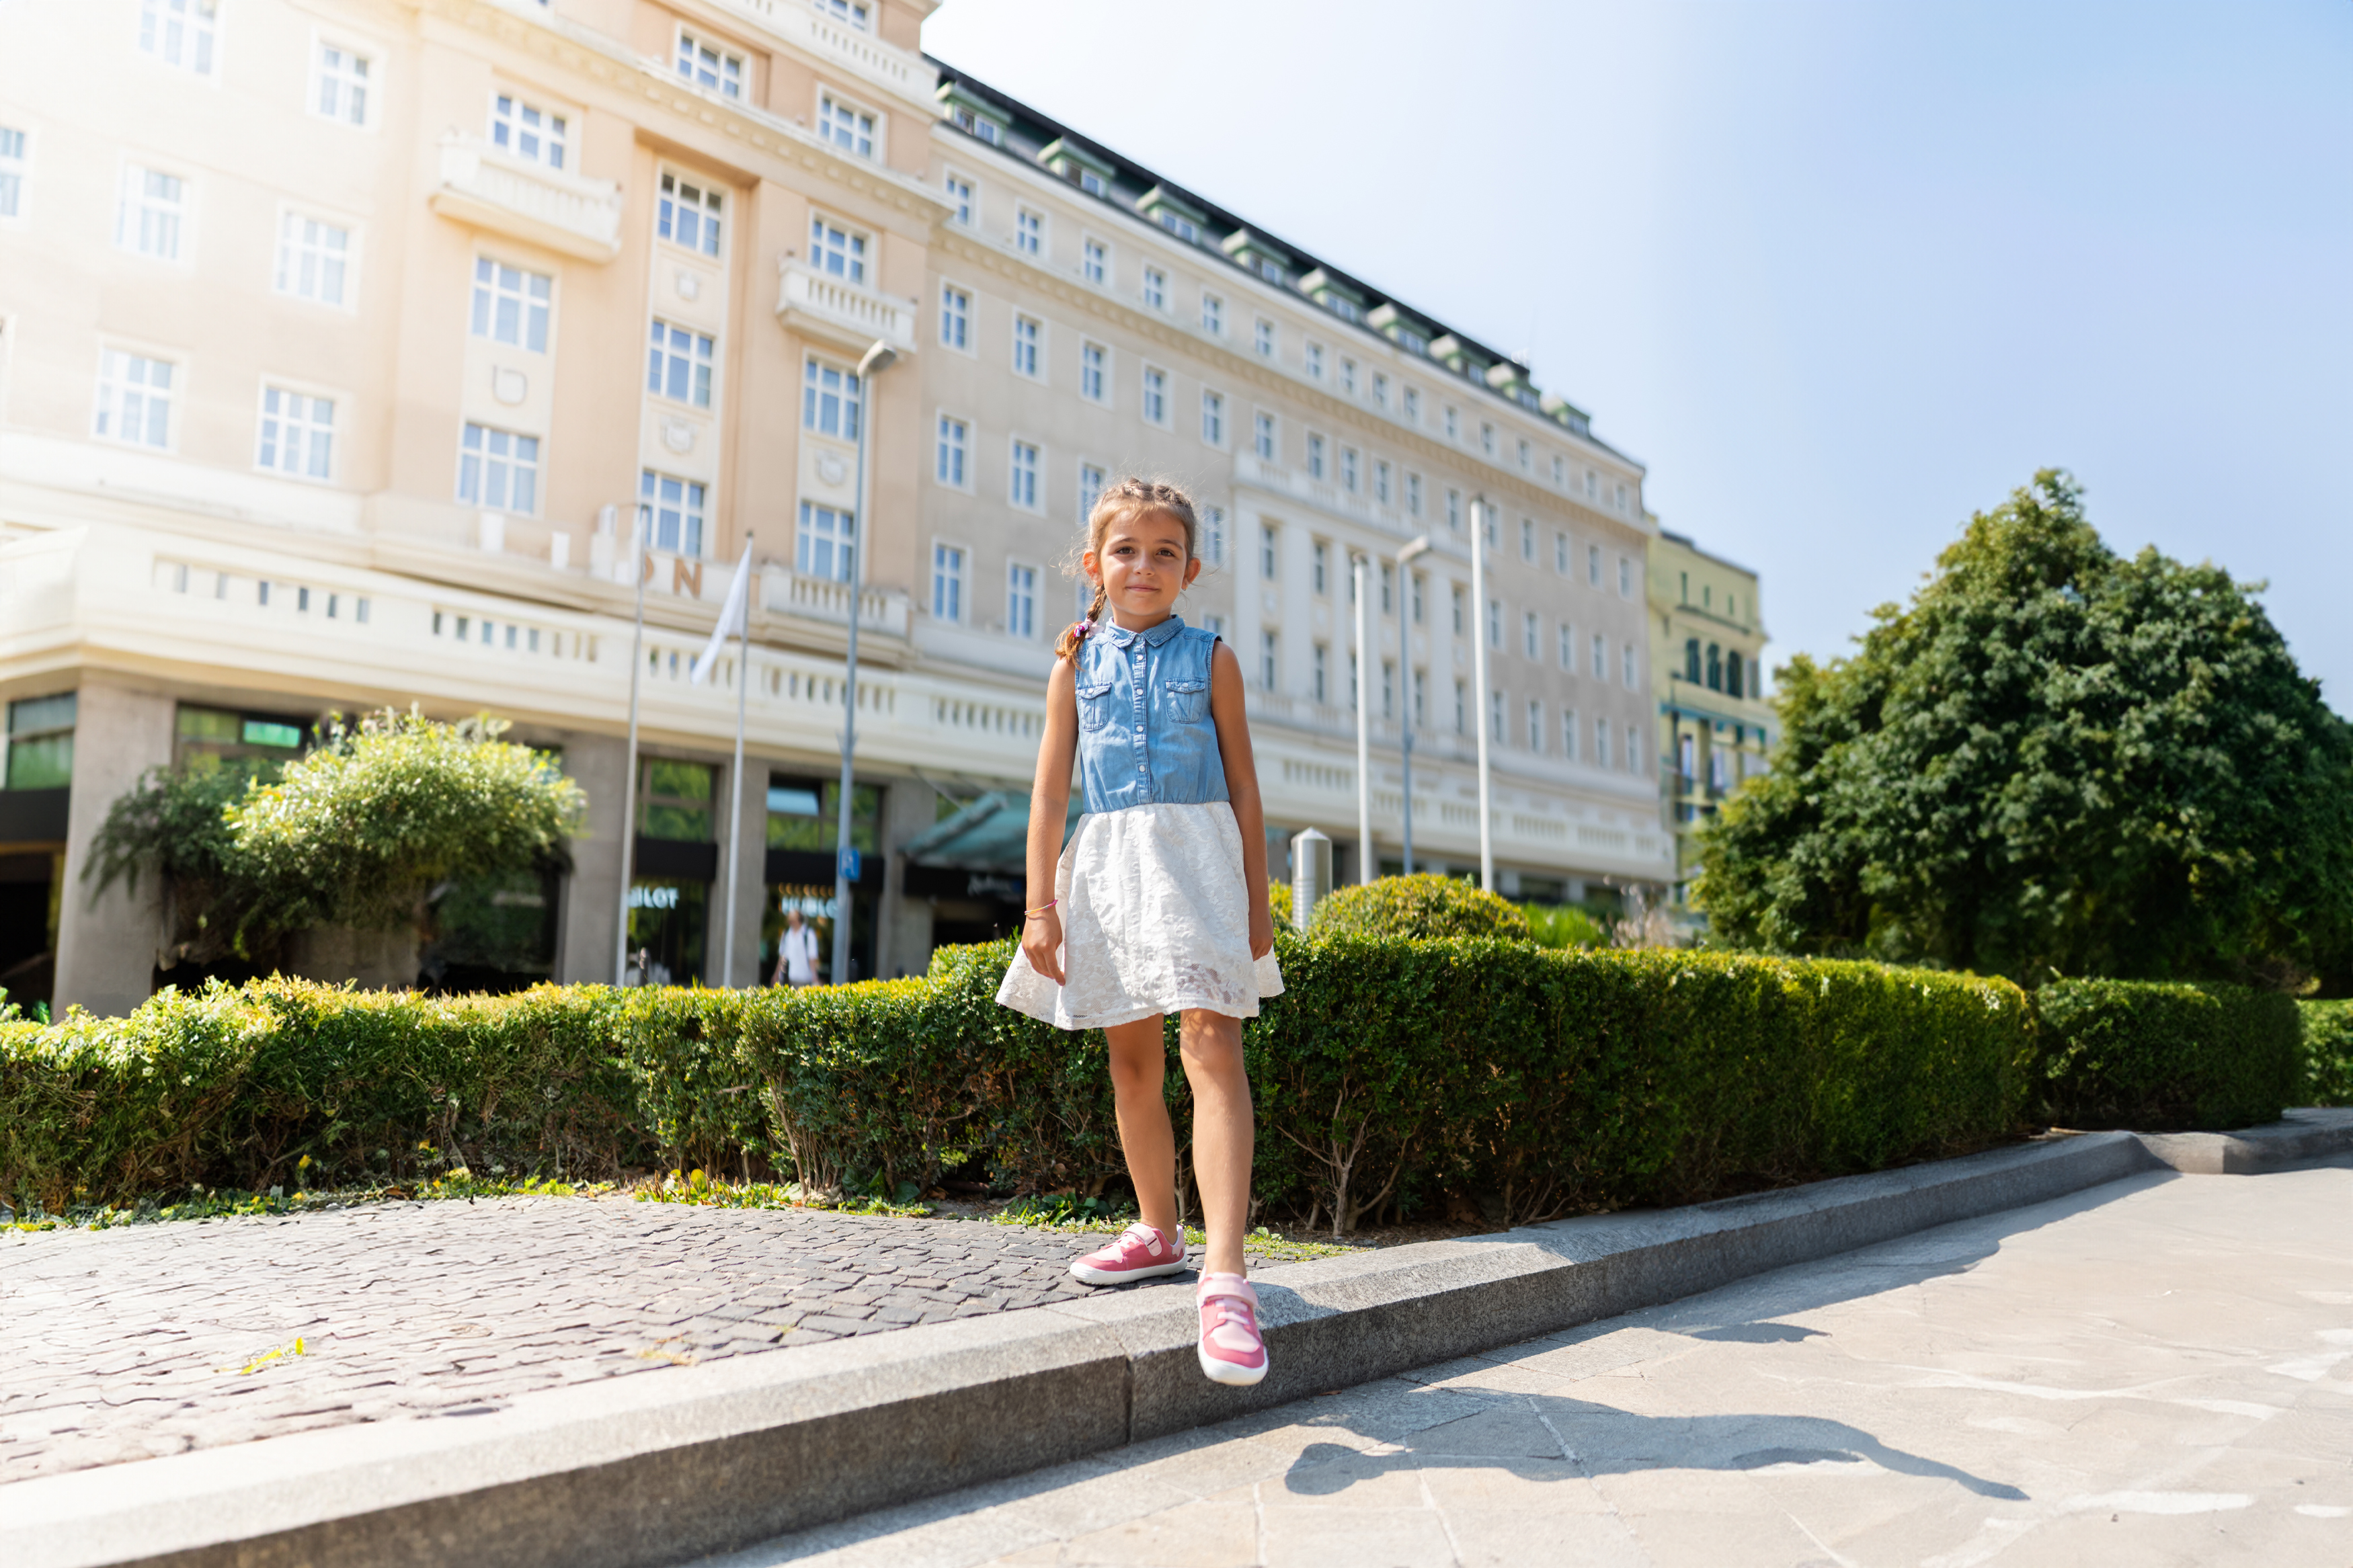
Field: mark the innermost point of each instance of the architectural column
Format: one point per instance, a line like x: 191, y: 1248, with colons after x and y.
x: 592, y: 893
x: 903, y: 938
x: 107, y: 941
x: 751, y: 876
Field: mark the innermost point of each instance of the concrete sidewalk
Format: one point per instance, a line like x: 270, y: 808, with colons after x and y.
x: 2151, y: 1372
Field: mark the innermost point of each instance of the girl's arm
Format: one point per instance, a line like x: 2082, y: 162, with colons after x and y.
x: 1049, y: 806
x: 1229, y: 708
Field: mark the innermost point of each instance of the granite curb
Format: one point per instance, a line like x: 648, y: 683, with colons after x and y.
x: 2308, y: 1134
x: 660, y: 1469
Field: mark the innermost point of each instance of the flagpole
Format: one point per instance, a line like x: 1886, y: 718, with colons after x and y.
x: 629, y: 785
x: 736, y: 779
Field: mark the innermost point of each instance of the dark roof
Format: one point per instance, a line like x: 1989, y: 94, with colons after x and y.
x: 1028, y: 132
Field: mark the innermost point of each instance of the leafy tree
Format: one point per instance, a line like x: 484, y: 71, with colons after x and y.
x: 355, y: 833
x: 2053, y: 761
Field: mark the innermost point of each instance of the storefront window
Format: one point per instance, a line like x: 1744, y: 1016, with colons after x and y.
x: 40, y: 742
x: 674, y: 800
x: 804, y: 813
x: 668, y: 919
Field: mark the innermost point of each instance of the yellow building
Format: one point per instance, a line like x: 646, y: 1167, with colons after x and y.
x: 344, y: 343
x: 1707, y: 651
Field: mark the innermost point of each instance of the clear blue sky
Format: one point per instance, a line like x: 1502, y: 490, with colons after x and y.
x: 1838, y: 273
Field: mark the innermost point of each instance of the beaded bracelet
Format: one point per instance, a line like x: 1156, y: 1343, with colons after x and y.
x: 1041, y: 909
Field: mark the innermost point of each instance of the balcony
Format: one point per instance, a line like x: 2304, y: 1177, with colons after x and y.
x: 789, y: 593
x: 795, y: 21
x: 493, y: 190
x: 850, y: 316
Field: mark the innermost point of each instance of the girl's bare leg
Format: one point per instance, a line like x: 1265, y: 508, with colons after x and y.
x: 1222, y: 1132
x: 1139, y: 1061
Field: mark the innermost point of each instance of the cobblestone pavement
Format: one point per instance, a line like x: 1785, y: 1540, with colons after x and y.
x: 133, y: 1343
x: 2152, y: 1373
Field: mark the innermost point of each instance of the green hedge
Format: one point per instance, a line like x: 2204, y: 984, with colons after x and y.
x: 1389, y: 1073
x: 2159, y: 1057
x: 2327, y: 1052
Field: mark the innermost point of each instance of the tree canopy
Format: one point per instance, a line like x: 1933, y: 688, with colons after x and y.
x: 2054, y: 761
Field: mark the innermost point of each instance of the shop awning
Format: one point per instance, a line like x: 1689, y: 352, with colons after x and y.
x: 990, y: 834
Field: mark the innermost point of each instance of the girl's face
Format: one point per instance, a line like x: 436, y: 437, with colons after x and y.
x: 1143, y: 565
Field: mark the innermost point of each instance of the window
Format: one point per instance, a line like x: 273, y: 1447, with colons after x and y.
x: 1413, y: 405
x: 689, y: 216
x: 674, y: 512
x: 848, y: 127
x: 829, y: 399
x: 1620, y: 499
x: 706, y: 64
x: 1732, y: 673
x: 511, y: 305
x: 1530, y: 640
x: 1568, y: 733
x: 1454, y: 510
x: 1535, y: 726
x: 135, y: 399
x: 527, y: 131
x: 1267, y: 648
x: 678, y: 364
x: 1214, y: 521
x: 1593, y: 565
x: 1633, y: 753
x: 1155, y: 288
x: 1213, y: 417
x: 1625, y: 578
x: 1487, y: 438
x: 1714, y: 668
x: 1263, y: 339
x: 1626, y: 666
x: 40, y: 742
x: 1095, y: 185
x: 1559, y: 469
x: 1094, y: 260
x: 1381, y: 391
x: 1560, y: 554
x: 1314, y: 456
x: 977, y: 125
x: 1183, y: 228
x: 851, y: 11
x: 1413, y: 495
x: 1600, y: 652
x: 1602, y: 742
x: 1418, y: 583
x: 343, y: 85
x: 1319, y: 674
x: 837, y: 251
x: 1461, y: 708
x: 311, y: 255
x: 1349, y: 377
x: 1526, y: 461
x: 1312, y: 356
x: 1030, y: 232
x: 1420, y: 696
x: 1026, y: 331
x: 1566, y: 651
x: 947, y: 583
x: 151, y: 216
x: 12, y: 172
x: 1388, y: 588
x: 954, y: 436
x: 960, y: 197
x: 1457, y: 591
x: 1213, y: 315
x: 180, y: 32
x: 1691, y: 660
x: 1495, y: 717
x: 1453, y: 433
x: 298, y: 433
x: 1348, y: 468
x: 1527, y: 539
x: 1091, y: 480
x: 1023, y: 490
x: 1319, y: 560
x: 1381, y: 483
x: 1262, y: 436
x: 1266, y: 555
x: 1020, y: 601
x: 955, y: 316
x: 499, y: 470
x: 1155, y: 396
x: 823, y: 548
x: 1094, y: 380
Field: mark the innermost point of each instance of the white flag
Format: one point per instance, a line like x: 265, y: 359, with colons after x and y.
x: 732, y: 617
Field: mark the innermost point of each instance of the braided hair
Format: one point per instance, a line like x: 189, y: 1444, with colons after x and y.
x: 1120, y: 499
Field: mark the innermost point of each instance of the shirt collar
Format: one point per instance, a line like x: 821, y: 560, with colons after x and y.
x: 1151, y: 636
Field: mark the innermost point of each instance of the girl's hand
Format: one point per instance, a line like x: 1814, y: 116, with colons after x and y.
x: 1041, y: 943
x: 1261, y: 930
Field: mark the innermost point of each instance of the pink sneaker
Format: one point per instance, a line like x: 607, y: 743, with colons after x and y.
x: 1232, y: 1350
x: 1140, y: 1253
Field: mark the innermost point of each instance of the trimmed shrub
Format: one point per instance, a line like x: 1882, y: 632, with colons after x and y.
x: 1424, y: 907
x: 1565, y: 925
x: 2327, y: 1052
x: 1278, y: 902
x: 2165, y: 1057
x: 1388, y: 1072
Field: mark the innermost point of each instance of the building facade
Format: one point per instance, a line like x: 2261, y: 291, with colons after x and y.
x: 345, y: 345
x: 1715, y: 725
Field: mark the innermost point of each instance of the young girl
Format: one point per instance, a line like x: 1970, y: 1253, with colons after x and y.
x: 1158, y: 905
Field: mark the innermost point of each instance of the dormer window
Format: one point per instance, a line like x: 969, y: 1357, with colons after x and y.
x: 1173, y: 213
x: 1257, y: 256
x: 987, y: 129
x: 1182, y: 228
x: 1088, y: 170
x: 1095, y: 185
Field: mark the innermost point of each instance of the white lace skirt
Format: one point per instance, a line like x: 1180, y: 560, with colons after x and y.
x: 1155, y: 919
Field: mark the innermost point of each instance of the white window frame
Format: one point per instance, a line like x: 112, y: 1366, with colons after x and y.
x: 1412, y: 405
x: 1568, y: 650
x: 963, y: 194
x: 1094, y: 479
x: 1154, y: 292
x: 839, y: 537
x: 1629, y: 667
x: 1270, y: 552
x: 952, y: 438
x: 106, y: 409
x: 1262, y: 338
x: 1213, y: 314
x: 554, y: 132
x: 1598, y: 652
x: 838, y: 247
x: 1266, y: 435
x: 1213, y: 523
x: 535, y: 467
x: 1383, y: 484
x: 1311, y: 359
x: 365, y: 81
x: 1094, y: 260
x: 686, y: 59
x: 836, y: 109
x: 1213, y: 418
x: 1569, y: 746
x: 681, y: 191
x: 1153, y: 382
x: 955, y: 307
x: 1025, y: 497
x: 484, y: 324
x: 856, y: 13
x: 299, y: 419
x: 1031, y: 345
x: 1021, y: 599
x: 699, y: 356
x: 949, y: 565
x: 201, y: 38
x: 1531, y: 636
x: 1094, y: 372
x: 132, y: 212
x: 1030, y: 231
x: 849, y: 397
x: 1319, y: 465
x: 16, y: 174
x: 1535, y: 726
x: 1412, y: 494
x: 291, y: 247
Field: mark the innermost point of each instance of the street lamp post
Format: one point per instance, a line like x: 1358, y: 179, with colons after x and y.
x: 1360, y: 582
x: 1406, y: 559
x: 1479, y: 515
x: 638, y: 538
x: 876, y: 360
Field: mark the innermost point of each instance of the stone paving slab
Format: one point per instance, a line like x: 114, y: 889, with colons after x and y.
x: 131, y: 1344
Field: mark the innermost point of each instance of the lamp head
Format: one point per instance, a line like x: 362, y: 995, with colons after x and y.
x: 878, y: 359
x: 1420, y: 546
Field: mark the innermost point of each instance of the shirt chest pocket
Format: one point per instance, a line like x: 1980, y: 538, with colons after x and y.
x: 1188, y: 700
x: 1094, y: 704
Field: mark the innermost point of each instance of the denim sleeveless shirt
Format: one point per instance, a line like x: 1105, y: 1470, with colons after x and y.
x: 1145, y: 736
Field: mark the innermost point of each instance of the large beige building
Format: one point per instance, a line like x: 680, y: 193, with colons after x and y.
x: 344, y: 342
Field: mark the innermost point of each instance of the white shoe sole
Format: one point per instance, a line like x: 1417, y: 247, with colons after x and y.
x: 1087, y: 1276
x: 1226, y: 1371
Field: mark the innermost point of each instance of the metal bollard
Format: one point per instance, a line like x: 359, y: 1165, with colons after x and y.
x: 1311, y: 875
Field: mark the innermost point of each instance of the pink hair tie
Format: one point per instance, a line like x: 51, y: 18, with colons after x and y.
x: 1081, y: 628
